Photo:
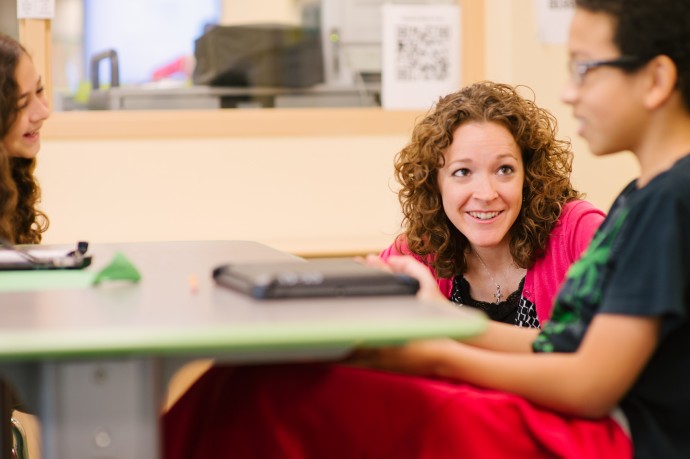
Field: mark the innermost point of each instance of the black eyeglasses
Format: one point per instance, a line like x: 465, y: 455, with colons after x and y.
x: 580, y: 69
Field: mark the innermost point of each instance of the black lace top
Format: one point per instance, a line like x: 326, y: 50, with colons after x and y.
x: 510, y: 310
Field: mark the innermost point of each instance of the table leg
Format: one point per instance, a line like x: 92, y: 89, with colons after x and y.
x: 104, y: 408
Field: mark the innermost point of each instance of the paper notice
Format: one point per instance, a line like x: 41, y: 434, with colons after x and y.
x: 421, y: 54
x: 35, y: 9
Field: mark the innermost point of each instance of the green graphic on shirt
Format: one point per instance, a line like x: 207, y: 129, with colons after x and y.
x: 582, y: 286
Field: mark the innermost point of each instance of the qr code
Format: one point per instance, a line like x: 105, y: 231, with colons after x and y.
x: 422, y: 52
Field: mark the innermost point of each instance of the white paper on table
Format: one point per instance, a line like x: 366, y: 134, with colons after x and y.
x: 421, y: 54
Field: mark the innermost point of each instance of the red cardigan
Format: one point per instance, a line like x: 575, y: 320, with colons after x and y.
x: 568, y: 240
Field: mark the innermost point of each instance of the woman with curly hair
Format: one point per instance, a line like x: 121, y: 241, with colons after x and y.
x: 488, y: 204
x: 490, y: 210
x: 23, y: 108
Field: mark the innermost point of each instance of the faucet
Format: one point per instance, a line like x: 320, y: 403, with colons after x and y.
x: 111, y: 55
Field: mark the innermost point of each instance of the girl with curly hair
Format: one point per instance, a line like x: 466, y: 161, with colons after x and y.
x: 488, y: 204
x: 23, y: 108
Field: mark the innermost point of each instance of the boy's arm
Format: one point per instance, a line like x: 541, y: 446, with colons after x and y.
x: 503, y: 337
x: 589, y: 382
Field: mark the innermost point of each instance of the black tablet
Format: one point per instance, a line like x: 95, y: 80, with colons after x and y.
x: 324, y: 277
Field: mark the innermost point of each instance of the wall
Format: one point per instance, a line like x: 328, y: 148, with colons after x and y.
x: 315, y: 195
x: 308, y: 194
x: 515, y: 55
x: 8, y: 21
x: 260, y: 11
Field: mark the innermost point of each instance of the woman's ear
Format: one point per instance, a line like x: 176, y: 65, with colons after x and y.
x: 662, y: 83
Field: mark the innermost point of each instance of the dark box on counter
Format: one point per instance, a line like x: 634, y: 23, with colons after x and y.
x: 259, y: 55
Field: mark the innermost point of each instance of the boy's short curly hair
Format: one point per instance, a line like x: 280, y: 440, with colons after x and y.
x: 547, y: 161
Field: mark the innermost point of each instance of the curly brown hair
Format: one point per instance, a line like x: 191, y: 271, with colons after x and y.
x: 20, y: 221
x: 427, y: 230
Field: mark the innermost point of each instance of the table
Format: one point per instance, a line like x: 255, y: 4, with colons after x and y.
x: 94, y: 363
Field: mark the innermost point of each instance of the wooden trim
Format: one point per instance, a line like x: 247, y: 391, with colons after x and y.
x: 83, y: 125
x: 473, y: 46
x: 35, y: 35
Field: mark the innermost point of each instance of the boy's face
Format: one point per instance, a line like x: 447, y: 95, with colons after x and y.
x: 606, y: 101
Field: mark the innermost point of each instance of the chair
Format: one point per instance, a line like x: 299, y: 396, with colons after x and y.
x: 12, y: 437
x: 19, y: 450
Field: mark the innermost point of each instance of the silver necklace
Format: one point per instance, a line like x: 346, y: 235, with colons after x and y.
x: 498, y: 293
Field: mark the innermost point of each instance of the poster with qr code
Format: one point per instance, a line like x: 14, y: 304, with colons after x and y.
x: 421, y: 55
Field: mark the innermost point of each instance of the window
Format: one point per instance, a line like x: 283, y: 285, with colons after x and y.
x: 147, y: 35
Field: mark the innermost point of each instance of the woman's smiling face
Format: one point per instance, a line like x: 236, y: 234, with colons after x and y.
x: 481, y: 183
x: 23, y: 138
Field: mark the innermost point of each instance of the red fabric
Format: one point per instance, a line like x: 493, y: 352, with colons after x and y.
x: 178, y: 65
x: 324, y: 411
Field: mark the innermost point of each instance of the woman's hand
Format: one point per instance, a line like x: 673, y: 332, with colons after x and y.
x: 426, y: 357
x: 410, y: 266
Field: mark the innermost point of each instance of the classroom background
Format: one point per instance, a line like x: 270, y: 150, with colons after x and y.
x: 314, y: 182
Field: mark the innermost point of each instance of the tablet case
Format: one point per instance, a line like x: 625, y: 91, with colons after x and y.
x: 299, y: 279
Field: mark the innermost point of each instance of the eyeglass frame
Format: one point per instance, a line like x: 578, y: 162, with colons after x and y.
x: 579, y: 69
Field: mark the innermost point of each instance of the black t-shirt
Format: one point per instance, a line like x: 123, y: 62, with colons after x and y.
x: 639, y: 264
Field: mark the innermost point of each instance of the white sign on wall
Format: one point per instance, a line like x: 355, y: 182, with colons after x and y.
x: 421, y: 54
x: 35, y: 9
x: 553, y: 19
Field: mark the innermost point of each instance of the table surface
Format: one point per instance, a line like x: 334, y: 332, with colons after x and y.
x: 165, y: 313
x: 94, y: 362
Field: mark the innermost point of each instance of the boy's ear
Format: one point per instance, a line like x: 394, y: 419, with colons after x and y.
x: 663, y: 79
